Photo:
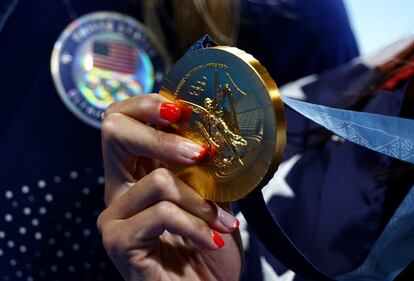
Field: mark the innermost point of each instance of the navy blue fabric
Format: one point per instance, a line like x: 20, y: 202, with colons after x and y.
x: 296, y: 37
x: 51, y: 171
x: 52, y: 234
x: 269, y: 232
x: 336, y: 213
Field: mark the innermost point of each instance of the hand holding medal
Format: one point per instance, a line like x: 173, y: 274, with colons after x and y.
x: 156, y: 225
x: 237, y: 122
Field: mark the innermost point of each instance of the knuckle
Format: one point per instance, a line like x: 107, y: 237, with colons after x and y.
x: 206, y: 209
x: 166, y: 209
x: 161, y: 179
x: 110, y: 232
x: 110, y: 109
x: 111, y: 240
x: 202, y: 227
x: 110, y: 243
x: 144, y: 102
x: 163, y: 141
x: 100, y: 222
x: 111, y: 124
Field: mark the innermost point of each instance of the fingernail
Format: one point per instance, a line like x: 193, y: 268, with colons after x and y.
x: 170, y: 111
x: 191, y: 150
x: 227, y: 219
x: 212, y: 150
x: 217, y: 239
x: 186, y: 113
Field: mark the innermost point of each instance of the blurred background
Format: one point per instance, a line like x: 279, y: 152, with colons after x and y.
x: 377, y: 23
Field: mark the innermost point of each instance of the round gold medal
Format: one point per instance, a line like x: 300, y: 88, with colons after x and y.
x: 237, y: 113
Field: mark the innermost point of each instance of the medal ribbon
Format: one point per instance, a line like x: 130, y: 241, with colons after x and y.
x: 389, y: 135
x: 392, y: 136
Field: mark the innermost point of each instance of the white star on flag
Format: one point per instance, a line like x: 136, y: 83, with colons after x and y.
x: 269, y: 274
x: 278, y: 185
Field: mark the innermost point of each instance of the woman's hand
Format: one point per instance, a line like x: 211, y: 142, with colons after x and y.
x: 155, y: 226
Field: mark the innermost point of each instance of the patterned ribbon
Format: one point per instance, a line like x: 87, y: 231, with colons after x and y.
x: 392, y: 136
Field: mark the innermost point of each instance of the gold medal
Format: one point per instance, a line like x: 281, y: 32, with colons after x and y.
x: 237, y: 112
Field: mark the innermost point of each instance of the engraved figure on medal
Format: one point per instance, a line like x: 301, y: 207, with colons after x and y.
x: 220, y: 127
x: 218, y: 122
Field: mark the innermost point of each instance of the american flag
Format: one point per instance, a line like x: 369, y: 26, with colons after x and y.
x: 114, y: 56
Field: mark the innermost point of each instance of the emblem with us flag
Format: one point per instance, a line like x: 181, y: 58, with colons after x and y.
x: 105, y: 57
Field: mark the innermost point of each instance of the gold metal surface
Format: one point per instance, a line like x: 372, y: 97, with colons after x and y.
x: 237, y: 113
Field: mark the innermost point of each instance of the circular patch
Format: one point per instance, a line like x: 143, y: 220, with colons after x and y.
x: 102, y: 58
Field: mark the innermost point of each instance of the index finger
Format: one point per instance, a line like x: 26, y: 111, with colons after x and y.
x: 151, y: 108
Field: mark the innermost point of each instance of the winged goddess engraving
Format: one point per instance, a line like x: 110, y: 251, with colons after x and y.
x: 218, y: 124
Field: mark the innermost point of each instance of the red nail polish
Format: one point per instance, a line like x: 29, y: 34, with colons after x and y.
x: 201, y: 154
x: 236, y: 225
x: 212, y: 149
x: 217, y: 239
x: 186, y: 113
x: 170, y: 111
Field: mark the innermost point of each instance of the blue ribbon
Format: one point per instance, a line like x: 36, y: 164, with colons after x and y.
x: 392, y: 136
